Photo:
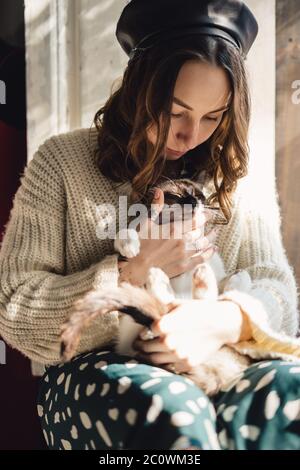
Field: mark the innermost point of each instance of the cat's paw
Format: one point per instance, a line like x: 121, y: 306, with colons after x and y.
x: 204, y: 282
x: 127, y: 243
x: 241, y: 280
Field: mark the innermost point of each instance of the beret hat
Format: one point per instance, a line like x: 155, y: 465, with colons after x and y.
x: 145, y: 23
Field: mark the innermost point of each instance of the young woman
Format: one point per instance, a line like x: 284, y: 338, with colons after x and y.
x: 189, y: 96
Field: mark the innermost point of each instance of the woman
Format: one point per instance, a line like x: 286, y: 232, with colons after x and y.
x: 191, y: 96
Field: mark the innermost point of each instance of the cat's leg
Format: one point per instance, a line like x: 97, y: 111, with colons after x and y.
x: 158, y: 284
x: 241, y: 280
x: 127, y: 242
x: 204, y: 283
x: 129, y: 330
x: 217, y: 265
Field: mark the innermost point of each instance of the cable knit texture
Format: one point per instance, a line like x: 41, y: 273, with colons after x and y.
x: 51, y: 255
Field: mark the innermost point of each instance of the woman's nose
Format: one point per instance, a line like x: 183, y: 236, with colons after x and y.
x: 190, y: 136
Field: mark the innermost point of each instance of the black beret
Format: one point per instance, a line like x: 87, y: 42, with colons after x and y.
x: 145, y: 23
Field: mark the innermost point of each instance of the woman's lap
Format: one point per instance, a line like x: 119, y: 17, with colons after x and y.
x: 106, y: 401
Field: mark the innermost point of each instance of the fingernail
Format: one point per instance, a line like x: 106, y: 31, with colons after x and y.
x: 144, y: 335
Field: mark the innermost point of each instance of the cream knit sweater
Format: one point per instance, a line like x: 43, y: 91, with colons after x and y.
x: 51, y: 256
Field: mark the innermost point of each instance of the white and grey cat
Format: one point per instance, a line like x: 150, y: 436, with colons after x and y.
x: 138, y: 307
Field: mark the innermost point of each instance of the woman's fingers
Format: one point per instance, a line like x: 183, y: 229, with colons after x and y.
x: 198, y: 233
x: 203, y: 256
x: 195, y: 241
x: 171, y: 246
x: 159, y: 358
x: 177, y: 367
x: 180, y: 266
x: 166, y: 359
x: 150, y: 345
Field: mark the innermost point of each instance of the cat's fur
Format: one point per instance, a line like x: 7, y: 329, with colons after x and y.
x: 140, y: 306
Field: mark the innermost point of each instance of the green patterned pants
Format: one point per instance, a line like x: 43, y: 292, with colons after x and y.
x: 103, y: 401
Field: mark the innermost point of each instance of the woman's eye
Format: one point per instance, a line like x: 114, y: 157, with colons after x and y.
x: 208, y: 118
x: 212, y: 119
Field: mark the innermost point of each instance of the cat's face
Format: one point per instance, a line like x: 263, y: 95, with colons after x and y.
x: 182, y: 192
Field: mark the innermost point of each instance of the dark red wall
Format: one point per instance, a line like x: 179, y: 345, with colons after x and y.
x: 19, y: 424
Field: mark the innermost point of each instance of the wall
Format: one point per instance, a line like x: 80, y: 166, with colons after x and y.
x: 19, y: 425
x: 72, y: 60
x: 288, y: 123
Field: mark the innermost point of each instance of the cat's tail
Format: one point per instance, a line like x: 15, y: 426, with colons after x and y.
x: 135, y: 301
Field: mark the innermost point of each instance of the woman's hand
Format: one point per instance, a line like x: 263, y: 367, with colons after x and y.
x: 168, y: 252
x: 191, y: 333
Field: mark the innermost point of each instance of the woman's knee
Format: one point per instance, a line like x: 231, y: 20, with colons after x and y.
x: 262, y: 410
x: 280, y: 376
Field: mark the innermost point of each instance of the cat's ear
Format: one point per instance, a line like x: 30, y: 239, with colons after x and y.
x: 199, y: 195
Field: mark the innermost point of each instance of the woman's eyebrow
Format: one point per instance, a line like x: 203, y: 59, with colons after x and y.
x: 184, y: 105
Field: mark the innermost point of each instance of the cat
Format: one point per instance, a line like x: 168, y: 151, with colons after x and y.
x: 183, y: 192
x: 138, y: 307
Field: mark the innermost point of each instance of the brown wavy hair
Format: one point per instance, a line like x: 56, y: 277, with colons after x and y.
x: 144, y: 97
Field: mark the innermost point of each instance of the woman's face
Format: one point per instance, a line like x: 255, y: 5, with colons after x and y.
x: 202, y: 93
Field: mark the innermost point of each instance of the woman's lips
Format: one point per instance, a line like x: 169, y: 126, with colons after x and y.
x: 173, y: 152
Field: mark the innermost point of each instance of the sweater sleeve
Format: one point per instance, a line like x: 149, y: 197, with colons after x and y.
x: 272, y: 302
x: 35, y: 293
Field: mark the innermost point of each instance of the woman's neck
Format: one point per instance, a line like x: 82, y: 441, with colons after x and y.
x: 173, y: 169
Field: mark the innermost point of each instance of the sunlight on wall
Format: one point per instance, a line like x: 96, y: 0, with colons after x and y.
x: 262, y: 71
x: 261, y: 67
